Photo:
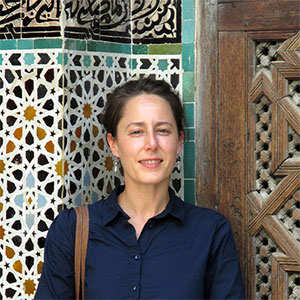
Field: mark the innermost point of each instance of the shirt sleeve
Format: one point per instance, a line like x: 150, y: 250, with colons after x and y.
x: 224, y: 278
x: 57, y: 279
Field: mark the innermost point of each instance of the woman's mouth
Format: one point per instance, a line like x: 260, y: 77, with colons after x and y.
x: 150, y: 163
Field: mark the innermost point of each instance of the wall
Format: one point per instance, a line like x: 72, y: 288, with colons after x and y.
x: 58, y: 62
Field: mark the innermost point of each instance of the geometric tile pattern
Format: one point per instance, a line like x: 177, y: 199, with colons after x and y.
x: 53, y: 151
x: 150, y: 21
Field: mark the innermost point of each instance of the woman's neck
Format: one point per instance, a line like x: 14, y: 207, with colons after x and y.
x: 144, y: 201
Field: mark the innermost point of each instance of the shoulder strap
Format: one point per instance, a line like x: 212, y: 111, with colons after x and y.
x: 81, y: 241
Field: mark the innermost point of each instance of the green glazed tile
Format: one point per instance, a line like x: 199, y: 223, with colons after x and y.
x: 189, y: 113
x: 70, y: 44
x: 188, y: 31
x: 87, y: 61
x: 140, y: 49
x: 47, y: 43
x: 188, y: 57
x: 92, y: 46
x: 165, y: 49
x: 120, y: 48
x: 189, y: 159
x: 81, y: 45
x: 62, y: 59
x: 133, y: 64
x: 1, y: 59
x: 8, y: 44
x: 103, y: 47
x: 109, y: 61
x: 162, y: 64
x: 188, y: 9
x: 188, y: 89
x: 189, y: 191
x: 29, y: 58
x: 25, y: 44
x: 189, y: 134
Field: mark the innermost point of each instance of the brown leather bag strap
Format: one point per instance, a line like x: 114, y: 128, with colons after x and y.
x: 81, y: 242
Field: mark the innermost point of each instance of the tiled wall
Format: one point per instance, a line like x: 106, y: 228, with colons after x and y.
x: 54, y: 79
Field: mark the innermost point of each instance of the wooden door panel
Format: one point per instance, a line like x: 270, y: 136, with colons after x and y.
x: 249, y: 107
x: 258, y: 15
x: 231, y: 134
x: 259, y: 156
x: 273, y: 191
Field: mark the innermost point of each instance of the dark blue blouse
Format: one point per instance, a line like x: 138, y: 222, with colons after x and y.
x: 185, y: 252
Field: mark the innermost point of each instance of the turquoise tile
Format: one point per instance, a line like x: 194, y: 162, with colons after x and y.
x: 70, y: 44
x: 188, y: 31
x: 92, y: 46
x: 140, y: 49
x: 25, y: 44
x: 1, y: 59
x: 188, y: 9
x: 189, y: 134
x: 8, y: 44
x: 133, y: 64
x: 189, y: 113
x: 109, y: 61
x: 120, y: 48
x: 188, y: 88
x: 29, y: 58
x: 47, y: 43
x: 62, y: 59
x: 103, y: 47
x: 188, y: 57
x: 189, y: 160
x: 81, y: 45
x: 163, y: 64
x: 189, y: 191
x: 87, y: 60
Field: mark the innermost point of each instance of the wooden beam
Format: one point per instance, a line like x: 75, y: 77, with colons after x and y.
x: 233, y: 133
x: 259, y: 15
x: 206, y: 103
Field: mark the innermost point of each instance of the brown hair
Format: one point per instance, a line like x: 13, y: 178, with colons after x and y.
x: 117, y: 100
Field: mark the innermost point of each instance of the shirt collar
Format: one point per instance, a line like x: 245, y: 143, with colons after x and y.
x: 111, y: 208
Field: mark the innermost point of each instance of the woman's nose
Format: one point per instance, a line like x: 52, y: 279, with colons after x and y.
x: 151, y: 141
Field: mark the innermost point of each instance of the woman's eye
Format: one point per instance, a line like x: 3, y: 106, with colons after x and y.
x: 163, y: 131
x: 136, y: 132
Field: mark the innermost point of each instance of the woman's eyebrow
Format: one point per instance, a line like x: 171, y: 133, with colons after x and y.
x: 141, y: 124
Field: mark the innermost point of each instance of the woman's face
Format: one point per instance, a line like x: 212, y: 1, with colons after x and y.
x: 147, y: 140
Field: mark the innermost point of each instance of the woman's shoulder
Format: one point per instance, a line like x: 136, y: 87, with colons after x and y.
x: 203, y: 216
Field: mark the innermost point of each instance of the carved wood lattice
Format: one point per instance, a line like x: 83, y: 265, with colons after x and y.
x: 274, y: 173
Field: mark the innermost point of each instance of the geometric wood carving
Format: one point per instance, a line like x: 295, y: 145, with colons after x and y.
x: 269, y: 161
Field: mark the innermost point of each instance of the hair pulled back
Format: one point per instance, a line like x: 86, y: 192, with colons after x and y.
x: 117, y: 100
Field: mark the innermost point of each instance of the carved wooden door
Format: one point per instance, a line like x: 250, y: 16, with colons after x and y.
x: 256, y: 150
x: 273, y: 164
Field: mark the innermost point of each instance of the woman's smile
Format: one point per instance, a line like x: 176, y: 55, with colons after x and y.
x: 151, y: 163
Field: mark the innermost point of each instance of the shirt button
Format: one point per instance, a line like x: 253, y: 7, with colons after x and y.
x: 135, y: 288
x: 137, y: 257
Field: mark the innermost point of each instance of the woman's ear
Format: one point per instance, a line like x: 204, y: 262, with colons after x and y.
x: 180, y: 142
x: 113, y: 145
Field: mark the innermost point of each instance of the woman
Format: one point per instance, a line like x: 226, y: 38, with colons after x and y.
x: 144, y: 242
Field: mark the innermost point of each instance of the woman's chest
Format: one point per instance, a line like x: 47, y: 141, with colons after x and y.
x: 156, y: 266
